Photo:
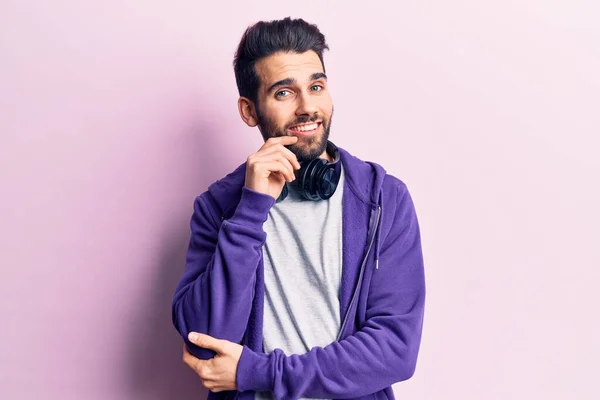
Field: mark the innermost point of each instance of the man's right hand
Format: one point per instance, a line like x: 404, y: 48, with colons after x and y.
x: 272, y: 166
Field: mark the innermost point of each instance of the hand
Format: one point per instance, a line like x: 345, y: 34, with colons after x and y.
x: 272, y: 166
x: 218, y: 373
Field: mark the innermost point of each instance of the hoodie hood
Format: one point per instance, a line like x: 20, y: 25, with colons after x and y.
x: 366, y: 178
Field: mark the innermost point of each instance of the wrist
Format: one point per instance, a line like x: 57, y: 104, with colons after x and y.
x: 253, y: 206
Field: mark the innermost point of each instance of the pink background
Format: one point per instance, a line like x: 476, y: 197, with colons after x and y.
x: 114, y: 115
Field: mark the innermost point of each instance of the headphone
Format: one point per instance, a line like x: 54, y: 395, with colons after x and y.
x: 317, y: 179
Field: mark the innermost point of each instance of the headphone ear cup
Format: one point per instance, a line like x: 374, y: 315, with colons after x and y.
x: 327, y: 181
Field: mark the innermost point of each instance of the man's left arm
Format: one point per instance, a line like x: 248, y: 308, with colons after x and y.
x: 384, y: 351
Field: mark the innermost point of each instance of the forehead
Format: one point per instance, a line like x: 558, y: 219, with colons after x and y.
x: 278, y: 66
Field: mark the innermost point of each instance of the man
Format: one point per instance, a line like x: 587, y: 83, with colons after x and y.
x: 304, y: 275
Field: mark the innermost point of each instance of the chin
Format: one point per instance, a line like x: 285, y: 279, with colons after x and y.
x: 307, y: 149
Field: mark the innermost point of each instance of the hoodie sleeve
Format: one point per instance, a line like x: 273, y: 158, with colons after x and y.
x: 384, y: 351
x: 214, y: 295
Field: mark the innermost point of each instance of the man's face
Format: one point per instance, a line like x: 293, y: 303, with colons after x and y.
x: 293, y: 100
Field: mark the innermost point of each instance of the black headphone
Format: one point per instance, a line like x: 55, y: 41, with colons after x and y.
x: 317, y: 179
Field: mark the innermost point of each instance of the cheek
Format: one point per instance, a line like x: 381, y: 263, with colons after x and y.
x: 326, y: 105
x: 282, y: 115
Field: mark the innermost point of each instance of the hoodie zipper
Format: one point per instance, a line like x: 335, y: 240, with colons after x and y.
x: 360, y: 275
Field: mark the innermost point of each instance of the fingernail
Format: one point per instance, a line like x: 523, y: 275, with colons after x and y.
x: 193, y: 337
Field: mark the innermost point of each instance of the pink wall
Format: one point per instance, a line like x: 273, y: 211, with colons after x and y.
x: 114, y: 115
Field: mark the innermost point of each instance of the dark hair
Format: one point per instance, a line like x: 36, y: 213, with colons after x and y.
x: 265, y: 38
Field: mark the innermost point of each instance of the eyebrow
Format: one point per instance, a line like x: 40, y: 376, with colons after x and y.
x: 289, y: 81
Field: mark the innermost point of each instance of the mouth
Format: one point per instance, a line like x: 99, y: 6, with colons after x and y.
x: 307, y: 129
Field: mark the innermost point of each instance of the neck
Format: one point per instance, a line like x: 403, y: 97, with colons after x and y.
x: 326, y: 156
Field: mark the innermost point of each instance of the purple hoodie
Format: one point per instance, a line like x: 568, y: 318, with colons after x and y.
x: 382, y: 293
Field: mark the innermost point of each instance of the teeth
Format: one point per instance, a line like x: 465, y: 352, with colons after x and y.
x: 304, y: 128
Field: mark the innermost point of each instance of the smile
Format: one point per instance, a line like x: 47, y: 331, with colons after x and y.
x: 305, y: 129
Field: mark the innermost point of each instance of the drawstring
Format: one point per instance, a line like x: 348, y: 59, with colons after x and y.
x: 378, y: 233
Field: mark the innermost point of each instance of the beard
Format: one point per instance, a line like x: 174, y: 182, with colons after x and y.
x: 306, y: 148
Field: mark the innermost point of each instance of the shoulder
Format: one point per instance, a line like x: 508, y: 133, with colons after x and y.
x: 395, y: 191
x: 394, y: 184
x: 397, y: 206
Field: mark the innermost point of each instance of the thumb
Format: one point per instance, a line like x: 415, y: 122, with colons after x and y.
x: 205, y: 341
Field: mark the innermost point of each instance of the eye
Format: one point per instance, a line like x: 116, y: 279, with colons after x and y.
x: 282, y: 93
x: 316, y: 88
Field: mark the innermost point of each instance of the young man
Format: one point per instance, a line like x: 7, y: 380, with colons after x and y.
x: 304, y: 275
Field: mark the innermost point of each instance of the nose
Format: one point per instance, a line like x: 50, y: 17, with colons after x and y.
x: 307, y: 104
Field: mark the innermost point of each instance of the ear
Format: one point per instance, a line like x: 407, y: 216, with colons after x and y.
x: 247, y: 111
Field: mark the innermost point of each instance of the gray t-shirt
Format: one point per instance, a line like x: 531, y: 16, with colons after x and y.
x: 303, y: 269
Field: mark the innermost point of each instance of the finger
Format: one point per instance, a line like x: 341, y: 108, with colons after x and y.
x: 289, y: 168
x: 209, y: 384
x: 263, y: 161
x: 194, y: 363
x: 284, y: 140
x: 271, y: 164
x: 284, y: 151
x: 205, y: 341
x: 188, y: 358
x: 279, y: 167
